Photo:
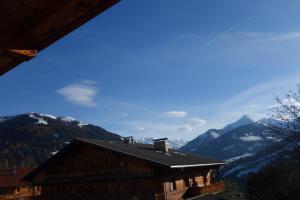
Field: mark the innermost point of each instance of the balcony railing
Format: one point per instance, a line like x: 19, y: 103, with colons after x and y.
x: 191, y: 192
x: 208, y: 189
x: 20, y: 195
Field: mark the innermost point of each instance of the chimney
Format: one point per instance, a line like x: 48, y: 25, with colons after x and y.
x: 161, y: 145
x: 129, y: 140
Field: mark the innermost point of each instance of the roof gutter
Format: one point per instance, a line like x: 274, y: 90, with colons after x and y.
x: 196, y: 165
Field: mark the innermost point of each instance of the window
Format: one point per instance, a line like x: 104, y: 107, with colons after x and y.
x: 173, y: 185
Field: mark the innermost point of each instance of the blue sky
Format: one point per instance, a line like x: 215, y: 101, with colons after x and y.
x: 164, y: 68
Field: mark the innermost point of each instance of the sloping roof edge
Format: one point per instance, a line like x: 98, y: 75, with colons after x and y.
x: 87, y: 142
x: 152, y: 161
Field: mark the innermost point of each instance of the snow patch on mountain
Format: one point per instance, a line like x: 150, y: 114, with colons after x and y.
x: 81, y: 124
x: 214, y: 134
x: 49, y: 116
x: 251, y: 138
x: 228, y: 148
x: 67, y: 119
x: 239, y: 157
x: 39, y: 120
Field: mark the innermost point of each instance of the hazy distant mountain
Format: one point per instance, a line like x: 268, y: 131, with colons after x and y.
x: 242, y: 138
x: 213, y: 134
x: 174, y: 144
x: 28, y: 139
x: 277, y: 152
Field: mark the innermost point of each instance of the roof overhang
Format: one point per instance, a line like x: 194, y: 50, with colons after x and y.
x: 81, y: 141
x: 29, y: 26
x: 197, y: 165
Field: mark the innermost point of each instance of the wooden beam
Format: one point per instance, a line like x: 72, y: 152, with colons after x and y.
x: 23, y: 52
x: 61, y: 22
x: 10, y: 40
x: 42, y: 23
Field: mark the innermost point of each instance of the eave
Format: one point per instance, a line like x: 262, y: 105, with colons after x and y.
x: 29, y: 26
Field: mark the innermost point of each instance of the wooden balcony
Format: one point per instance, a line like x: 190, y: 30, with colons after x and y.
x: 20, y: 195
x: 191, y: 192
x: 208, y: 189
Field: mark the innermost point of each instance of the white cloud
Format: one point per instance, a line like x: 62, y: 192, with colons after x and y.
x: 273, y: 36
x: 192, y: 125
x: 186, y: 128
x: 139, y: 128
x: 124, y: 115
x: 196, y: 122
x: 256, y: 101
x: 81, y: 94
x: 177, y: 114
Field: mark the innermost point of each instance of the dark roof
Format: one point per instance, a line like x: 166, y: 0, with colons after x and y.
x: 172, y: 158
x: 11, y: 178
x: 27, y: 27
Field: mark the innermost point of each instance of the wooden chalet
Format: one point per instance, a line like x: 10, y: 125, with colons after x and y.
x: 29, y: 26
x: 93, y: 169
x: 11, y: 186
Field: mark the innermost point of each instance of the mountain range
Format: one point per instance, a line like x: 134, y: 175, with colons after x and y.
x: 246, y: 145
x: 240, y: 168
x: 28, y: 139
x: 239, y: 139
x: 173, y: 143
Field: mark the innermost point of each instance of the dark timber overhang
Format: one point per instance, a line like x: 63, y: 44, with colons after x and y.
x: 29, y: 26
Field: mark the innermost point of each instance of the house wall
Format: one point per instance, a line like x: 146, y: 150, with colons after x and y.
x: 181, y: 181
x: 19, y: 192
x: 160, y: 182
x: 85, y: 160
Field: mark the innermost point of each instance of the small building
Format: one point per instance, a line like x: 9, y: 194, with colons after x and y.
x: 94, y: 169
x: 11, y: 186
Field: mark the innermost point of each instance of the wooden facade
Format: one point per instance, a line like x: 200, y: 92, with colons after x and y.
x: 88, y: 172
x: 11, y: 186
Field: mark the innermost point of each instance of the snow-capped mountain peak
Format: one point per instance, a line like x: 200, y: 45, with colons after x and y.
x: 40, y: 120
x: 242, y: 137
x: 244, y: 120
x: 67, y: 119
x: 43, y: 119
